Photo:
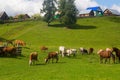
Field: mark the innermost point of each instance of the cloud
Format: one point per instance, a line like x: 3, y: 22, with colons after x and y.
x: 14, y: 7
x: 116, y: 7
x: 83, y: 4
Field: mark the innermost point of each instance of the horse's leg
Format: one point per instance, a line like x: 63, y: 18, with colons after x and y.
x: 105, y: 60
x: 113, y: 58
x: 56, y: 59
x: 109, y: 60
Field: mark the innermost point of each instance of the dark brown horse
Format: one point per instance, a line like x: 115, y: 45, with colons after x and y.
x: 90, y: 51
x: 117, y: 51
x: 106, y: 54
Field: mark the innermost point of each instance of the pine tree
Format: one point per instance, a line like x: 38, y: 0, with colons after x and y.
x: 68, y: 12
x: 49, y: 10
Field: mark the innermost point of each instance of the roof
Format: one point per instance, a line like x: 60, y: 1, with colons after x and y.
x: 114, y: 11
x: 94, y: 8
x: 85, y: 11
x: 1, y: 13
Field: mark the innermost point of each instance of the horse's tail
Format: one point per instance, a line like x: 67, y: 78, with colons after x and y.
x: 113, y: 57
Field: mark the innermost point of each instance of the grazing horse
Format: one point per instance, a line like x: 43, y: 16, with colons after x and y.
x: 52, y: 55
x: 19, y: 43
x: 69, y: 52
x: 43, y: 48
x: 117, y: 51
x: 62, y: 50
x: 83, y: 51
x: 106, y: 54
x: 33, y: 57
x: 90, y: 51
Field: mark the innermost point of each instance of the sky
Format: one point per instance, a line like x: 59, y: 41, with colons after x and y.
x: 30, y: 7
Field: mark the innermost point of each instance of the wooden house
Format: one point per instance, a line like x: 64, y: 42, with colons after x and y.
x: 3, y: 16
x: 97, y: 10
x: 86, y: 13
x: 111, y: 12
x: 22, y: 17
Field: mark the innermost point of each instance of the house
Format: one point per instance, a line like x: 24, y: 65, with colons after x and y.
x: 22, y: 17
x: 3, y: 16
x: 86, y: 13
x: 97, y: 10
x: 111, y: 12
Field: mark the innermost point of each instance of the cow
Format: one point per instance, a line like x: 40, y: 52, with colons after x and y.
x: 52, y: 55
x: 33, y: 57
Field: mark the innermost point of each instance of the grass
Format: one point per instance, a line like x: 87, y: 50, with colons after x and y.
x: 99, y: 32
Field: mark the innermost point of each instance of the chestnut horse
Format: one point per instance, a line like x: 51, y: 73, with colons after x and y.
x: 52, y: 55
x: 106, y: 54
x: 117, y: 51
x: 9, y: 50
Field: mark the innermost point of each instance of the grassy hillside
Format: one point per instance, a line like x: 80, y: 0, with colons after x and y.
x: 99, y: 32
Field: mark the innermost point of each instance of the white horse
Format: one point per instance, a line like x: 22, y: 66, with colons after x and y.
x: 62, y: 50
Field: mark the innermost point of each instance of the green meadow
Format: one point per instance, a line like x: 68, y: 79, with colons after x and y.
x: 98, y: 33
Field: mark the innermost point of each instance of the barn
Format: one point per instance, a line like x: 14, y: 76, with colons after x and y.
x: 111, y: 12
x: 86, y: 13
x: 97, y: 10
x: 3, y: 16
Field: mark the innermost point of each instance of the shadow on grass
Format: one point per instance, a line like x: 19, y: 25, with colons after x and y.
x: 75, y: 26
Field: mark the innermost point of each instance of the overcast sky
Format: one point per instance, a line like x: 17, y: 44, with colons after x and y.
x: 14, y: 7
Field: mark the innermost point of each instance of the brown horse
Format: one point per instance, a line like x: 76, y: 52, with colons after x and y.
x: 90, y: 51
x: 52, y: 55
x: 33, y: 57
x: 43, y: 48
x: 9, y: 50
x: 106, y: 54
x: 117, y: 51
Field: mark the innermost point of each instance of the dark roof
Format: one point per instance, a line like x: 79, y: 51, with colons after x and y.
x: 94, y: 8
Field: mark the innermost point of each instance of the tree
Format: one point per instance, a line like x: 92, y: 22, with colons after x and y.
x: 68, y: 12
x: 49, y: 9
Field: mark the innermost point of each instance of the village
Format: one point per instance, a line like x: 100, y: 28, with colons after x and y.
x: 88, y: 12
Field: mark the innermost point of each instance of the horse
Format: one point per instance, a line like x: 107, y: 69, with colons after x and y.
x: 106, y: 54
x: 33, y: 57
x: 9, y: 50
x: 90, y: 51
x: 43, y: 48
x: 19, y: 43
x: 62, y: 50
x: 83, y: 51
x: 117, y: 51
x: 52, y: 55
